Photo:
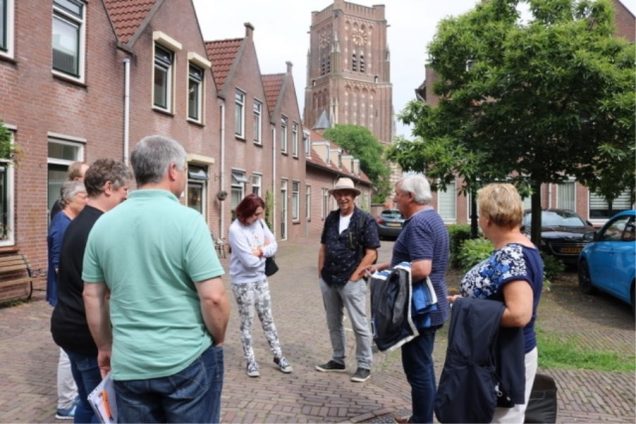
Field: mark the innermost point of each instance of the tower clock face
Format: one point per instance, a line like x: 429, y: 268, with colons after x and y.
x: 359, y: 37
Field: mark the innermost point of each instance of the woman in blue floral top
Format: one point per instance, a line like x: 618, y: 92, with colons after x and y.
x: 513, y: 274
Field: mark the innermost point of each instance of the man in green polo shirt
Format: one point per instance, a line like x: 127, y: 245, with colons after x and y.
x: 168, y: 308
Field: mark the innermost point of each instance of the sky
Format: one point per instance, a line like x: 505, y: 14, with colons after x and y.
x: 281, y: 34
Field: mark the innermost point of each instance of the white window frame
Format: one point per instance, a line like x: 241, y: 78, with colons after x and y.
x: 198, y: 81
x: 257, y: 184
x: 448, y: 213
x: 8, y: 20
x: 257, y: 116
x: 9, y: 239
x: 68, y: 17
x: 201, y: 181
x: 295, y: 195
x: 238, y: 182
x: 239, y: 113
x: 167, y: 67
x: 295, y: 139
x: 284, y: 123
x: 324, y: 204
x: 307, y: 143
x: 284, y: 208
x: 79, y: 146
x: 308, y: 203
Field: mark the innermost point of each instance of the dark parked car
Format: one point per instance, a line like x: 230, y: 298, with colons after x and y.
x: 608, y: 263
x: 562, y: 233
x: 390, y: 223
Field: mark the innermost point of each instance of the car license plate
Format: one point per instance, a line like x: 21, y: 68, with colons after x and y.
x: 393, y: 224
x: 571, y: 250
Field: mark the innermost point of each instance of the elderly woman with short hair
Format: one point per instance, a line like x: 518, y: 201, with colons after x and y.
x: 513, y: 273
x: 72, y: 201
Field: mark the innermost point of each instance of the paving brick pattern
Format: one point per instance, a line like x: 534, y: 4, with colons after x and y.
x: 28, y: 359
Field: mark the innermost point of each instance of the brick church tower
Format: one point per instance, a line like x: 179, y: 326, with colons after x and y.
x: 348, y: 72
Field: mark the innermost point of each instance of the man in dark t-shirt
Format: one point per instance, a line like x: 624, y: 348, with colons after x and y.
x: 348, y: 246
x: 106, y: 183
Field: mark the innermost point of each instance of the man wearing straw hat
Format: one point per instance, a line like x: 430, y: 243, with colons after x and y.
x: 348, y: 245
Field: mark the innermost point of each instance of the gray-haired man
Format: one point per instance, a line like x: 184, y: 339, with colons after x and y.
x: 168, y: 306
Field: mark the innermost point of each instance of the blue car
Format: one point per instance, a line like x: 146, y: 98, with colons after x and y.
x: 608, y: 262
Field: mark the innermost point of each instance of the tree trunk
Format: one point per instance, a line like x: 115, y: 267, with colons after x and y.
x: 535, y: 230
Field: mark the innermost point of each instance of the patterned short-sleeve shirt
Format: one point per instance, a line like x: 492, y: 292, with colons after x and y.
x: 512, y: 262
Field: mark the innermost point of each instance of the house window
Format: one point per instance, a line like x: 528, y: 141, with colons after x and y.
x: 164, y: 60
x: 324, y: 207
x: 308, y: 203
x: 197, y: 189
x: 195, y: 93
x: 239, y: 114
x: 257, y: 184
x: 565, y: 195
x: 295, y: 139
x: 238, y: 188
x: 7, y: 224
x: 307, y: 142
x: 257, y: 112
x: 68, y: 36
x: 295, y: 200
x: 61, y: 153
x: 283, y: 134
x: 6, y: 27
x: 599, y: 208
x: 446, y: 201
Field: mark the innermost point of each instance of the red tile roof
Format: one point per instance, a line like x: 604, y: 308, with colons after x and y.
x: 222, y: 54
x: 127, y: 15
x: 332, y: 166
x: 272, y: 84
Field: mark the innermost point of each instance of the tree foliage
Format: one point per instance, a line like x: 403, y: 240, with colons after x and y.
x: 362, y: 144
x: 532, y: 102
x: 6, y: 149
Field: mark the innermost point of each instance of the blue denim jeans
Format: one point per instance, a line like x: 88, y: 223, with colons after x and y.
x: 417, y: 360
x: 87, y: 376
x: 192, y: 395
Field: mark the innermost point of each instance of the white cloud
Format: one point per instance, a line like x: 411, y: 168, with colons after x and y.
x: 281, y: 34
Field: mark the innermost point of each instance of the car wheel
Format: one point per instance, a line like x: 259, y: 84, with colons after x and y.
x: 585, y: 282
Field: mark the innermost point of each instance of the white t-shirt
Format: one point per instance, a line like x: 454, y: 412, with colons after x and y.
x: 344, y: 222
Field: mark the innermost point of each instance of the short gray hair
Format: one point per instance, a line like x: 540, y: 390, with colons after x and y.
x: 69, y: 190
x: 152, y: 156
x: 418, y: 186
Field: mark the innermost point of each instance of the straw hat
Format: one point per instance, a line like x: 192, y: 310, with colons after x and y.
x: 344, y: 183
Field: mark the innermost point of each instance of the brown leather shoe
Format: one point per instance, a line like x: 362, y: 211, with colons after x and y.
x: 402, y: 420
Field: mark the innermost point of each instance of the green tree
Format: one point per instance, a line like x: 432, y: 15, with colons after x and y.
x: 6, y: 149
x: 532, y: 102
x: 362, y: 144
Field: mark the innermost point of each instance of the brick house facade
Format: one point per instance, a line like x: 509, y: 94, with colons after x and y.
x: 89, y: 79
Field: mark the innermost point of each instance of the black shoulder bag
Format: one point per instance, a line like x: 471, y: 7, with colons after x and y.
x: 271, y: 267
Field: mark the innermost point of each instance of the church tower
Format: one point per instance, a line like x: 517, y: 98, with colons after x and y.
x: 348, y: 72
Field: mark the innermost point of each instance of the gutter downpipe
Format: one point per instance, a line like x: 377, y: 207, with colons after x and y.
x: 126, y: 109
x: 274, y: 206
x: 222, y: 171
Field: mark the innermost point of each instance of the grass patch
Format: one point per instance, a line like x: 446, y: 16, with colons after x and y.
x: 569, y: 353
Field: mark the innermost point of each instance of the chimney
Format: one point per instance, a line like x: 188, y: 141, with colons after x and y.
x: 249, y: 28
x: 289, y: 66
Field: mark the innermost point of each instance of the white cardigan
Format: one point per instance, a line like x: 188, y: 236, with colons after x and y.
x: 245, y: 267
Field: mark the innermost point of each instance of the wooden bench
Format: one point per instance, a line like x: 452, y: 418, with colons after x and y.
x: 15, y: 277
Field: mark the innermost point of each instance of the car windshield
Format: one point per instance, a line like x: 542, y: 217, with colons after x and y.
x: 557, y: 219
x: 391, y: 214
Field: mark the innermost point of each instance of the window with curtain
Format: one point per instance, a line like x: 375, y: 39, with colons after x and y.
x: 295, y: 200
x: 599, y: 208
x: 67, y: 36
x: 446, y: 203
x: 162, y: 98
x: 239, y: 114
x: 195, y: 93
x: 566, y: 196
